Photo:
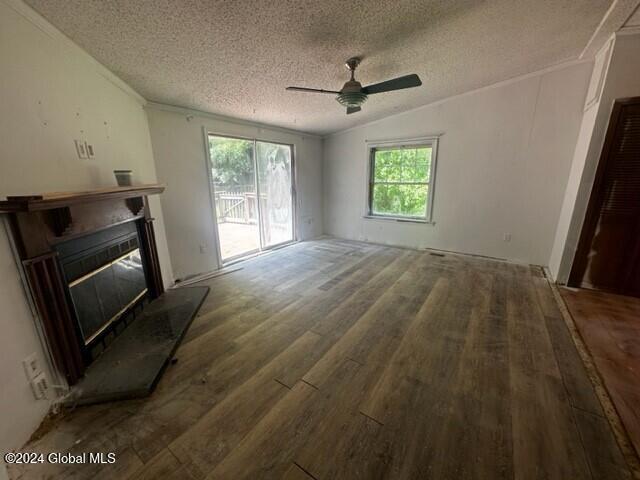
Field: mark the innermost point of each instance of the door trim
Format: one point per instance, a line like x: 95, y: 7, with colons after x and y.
x: 580, y: 259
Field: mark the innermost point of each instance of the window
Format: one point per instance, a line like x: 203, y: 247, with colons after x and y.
x: 401, y: 180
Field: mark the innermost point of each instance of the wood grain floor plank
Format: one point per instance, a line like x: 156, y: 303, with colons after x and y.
x: 546, y: 442
x: 334, y: 325
x: 296, y: 473
x: 164, y: 465
x: 230, y: 420
x: 476, y: 435
x: 398, y: 304
x: 267, y: 451
x: 574, y: 374
x: 410, y: 355
x: 605, y: 459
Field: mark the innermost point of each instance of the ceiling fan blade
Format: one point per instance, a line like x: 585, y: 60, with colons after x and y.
x: 312, y: 90
x: 353, y: 110
x: 408, y: 81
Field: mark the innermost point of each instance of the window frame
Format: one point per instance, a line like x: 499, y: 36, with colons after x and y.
x: 372, y: 147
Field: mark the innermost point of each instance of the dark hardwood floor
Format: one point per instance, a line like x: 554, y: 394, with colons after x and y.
x: 610, y: 327
x: 334, y: 359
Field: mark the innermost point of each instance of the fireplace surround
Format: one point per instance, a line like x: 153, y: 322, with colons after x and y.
x: 90, y: 258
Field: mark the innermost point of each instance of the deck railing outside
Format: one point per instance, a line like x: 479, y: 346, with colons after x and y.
x: 236, y: 204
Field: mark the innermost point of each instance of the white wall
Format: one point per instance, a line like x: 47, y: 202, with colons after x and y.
x: 179, y: 148
x: 503, y: 163
x: 622, y: 80
x: 51, y: 93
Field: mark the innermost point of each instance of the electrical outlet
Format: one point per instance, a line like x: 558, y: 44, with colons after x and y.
x: 203, y: 248
x: 40, y: 386
x: 32, y: 366
x: 506, y: 237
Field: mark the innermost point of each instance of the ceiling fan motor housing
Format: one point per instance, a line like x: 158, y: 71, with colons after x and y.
x: 351, y: 94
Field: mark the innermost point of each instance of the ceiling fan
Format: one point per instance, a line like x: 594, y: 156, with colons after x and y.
x: 353, y: 94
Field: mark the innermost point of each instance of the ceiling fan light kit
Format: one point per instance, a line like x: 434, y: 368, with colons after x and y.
x: 353, y: 94
x: 351, y: 99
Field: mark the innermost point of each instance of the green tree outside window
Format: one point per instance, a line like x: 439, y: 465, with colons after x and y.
x: 400, y: 181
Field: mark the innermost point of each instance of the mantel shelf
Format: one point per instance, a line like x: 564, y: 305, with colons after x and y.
x: 50, y: 201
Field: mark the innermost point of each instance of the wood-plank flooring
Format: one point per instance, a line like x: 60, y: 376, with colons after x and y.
x: 610, y: 328
x: 335, y: 359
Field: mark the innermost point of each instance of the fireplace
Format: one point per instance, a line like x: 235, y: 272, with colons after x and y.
x: 90, y: 260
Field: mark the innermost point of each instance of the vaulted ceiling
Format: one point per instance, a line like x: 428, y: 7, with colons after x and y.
x: 235, y: 58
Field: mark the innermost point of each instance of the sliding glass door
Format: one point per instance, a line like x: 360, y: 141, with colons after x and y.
x: 275, y: 187
x: 252, y: 188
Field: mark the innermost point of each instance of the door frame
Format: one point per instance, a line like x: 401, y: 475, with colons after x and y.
x: 580, y: 259
x: 212, y: 202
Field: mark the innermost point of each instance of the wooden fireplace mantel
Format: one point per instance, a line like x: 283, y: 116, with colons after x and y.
x: 48, y: 201
x: 44, y: 220
x: 40, y: 223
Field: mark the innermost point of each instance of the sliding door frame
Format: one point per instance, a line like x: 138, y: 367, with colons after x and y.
x: 208, y: 163
x: 294, y: 201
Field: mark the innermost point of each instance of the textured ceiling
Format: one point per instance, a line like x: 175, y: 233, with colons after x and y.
x: 634, y: 21
x: 236, y: 57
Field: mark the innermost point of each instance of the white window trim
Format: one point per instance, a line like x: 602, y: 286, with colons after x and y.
x: 422, y: 141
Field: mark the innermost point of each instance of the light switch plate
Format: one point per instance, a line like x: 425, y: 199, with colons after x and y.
x: 89, y: 149
x: 81, y: 149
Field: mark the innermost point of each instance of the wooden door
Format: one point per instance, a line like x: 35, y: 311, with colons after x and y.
x: 608, y: 256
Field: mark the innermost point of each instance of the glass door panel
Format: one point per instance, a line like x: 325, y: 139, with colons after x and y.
x: 236, y: 202
x: 275, y: 183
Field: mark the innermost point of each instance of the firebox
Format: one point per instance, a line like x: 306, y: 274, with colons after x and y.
x: 106, y: 278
